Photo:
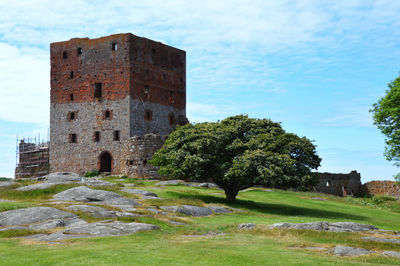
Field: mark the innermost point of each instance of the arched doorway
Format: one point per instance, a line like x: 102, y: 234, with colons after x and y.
x: 105, y: 161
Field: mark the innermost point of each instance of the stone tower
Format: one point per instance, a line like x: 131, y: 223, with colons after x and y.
x: 106, y: 91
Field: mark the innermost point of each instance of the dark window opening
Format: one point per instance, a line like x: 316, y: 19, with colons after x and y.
x: 171, y: 119
x: 73, y: 138
x: 116, y: 135
x: 97, y: 91
x: 96, y: 136
x: 71, y: 75
x: 114, y: 46
x: 148, y: 115
x: 164, y: 76
x: 107, y: 114
x: 130, y: 162
x: 80, y: 50
x: 72, y: 115
x: 65, y: 55
x: 171, y: 97
x: 154, y: 51
x: 144, y: 162
x: 147, y: 72
x: 71, y: 97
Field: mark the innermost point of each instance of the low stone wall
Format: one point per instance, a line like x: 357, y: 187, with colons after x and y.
x: 137, y: 151
x: 382, y: 188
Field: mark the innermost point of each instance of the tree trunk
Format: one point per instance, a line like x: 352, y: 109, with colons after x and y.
x: 231, y: 194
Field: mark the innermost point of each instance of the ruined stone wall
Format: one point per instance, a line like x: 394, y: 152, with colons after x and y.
x: 136, y: 154
x: 340, y: 184
x: 382, y: 188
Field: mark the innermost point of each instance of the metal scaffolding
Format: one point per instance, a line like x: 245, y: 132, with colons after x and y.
x: 32, y: 157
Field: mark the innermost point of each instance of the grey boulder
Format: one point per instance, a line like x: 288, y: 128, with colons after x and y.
x: 246, y: 226
x: 349, y: 251
x: 32, y: 215
x: 326, y: 226
x: 188, y: 210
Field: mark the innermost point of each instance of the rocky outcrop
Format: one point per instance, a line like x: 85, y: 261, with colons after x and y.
x: 188, y: 210
x: 98, y: 212
x: 7, y: 184
x: 349, y: 251
x: 143, y: 193
x: 170, y: 183
x: 84, y: 194
x: 61, y: 178
x: 326, y: 226
x: 33, y: 215
x: 99, y: 229
x: 35, y: 186
x: 382, y: 240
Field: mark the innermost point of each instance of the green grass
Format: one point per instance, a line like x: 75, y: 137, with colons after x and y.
x: 173, y: 245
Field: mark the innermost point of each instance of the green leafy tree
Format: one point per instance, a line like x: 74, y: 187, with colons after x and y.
x: 386, y: 115
x: 237, y: 153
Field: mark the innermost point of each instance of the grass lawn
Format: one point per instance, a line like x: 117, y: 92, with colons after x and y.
x: 184, y: 245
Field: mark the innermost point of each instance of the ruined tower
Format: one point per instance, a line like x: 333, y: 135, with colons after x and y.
x: 106, y: 92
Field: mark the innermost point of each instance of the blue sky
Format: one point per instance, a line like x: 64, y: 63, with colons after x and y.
x: 316, y: 66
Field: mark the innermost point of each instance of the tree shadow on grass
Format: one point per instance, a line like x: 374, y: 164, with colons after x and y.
x: 271, y: 208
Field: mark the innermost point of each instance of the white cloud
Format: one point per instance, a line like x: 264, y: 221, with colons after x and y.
x: 24, y: 85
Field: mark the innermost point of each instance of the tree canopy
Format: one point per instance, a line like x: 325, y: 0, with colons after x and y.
x: 386, y: 115
x: 238, y: 152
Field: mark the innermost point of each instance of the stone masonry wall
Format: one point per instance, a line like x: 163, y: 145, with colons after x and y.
x: 340, y: 184
x: 382, y: 188
x: 83, y: 155
x: 122, y: 83
x: 136, y: 154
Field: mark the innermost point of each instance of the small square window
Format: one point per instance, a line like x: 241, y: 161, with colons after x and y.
x: 107, y: 114
x: 148, y: 115
x: 171, y: 118
x: 71, y: 75
x: 96, y: 136
x: 114, y: 46
x: 97, y: 91
x: 71, y: 97
x: 116, y: 135
x: 65, y: 55
x: 79, y: 51
x: 73, y: 138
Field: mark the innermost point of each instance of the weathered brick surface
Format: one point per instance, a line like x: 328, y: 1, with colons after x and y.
x: 382, y: 188
x: 340, y: 184
x: 136, y: 75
